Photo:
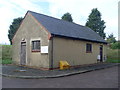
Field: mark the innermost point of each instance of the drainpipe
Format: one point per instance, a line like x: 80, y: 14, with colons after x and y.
x: 52, y: 52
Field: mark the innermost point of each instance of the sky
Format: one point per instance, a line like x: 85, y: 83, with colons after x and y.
x: 79, y: 9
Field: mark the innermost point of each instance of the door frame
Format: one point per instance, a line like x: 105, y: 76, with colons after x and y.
x: 101, y: 53
x: 21, y: 51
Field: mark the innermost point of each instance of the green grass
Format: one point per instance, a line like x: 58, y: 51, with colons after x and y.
x: 112, y: 56
x: 6, y: 61
x: 113, y: 61
x: 6, y: 52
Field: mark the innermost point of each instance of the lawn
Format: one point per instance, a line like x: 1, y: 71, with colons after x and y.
x: 113, y: 55
x: 6, y: 54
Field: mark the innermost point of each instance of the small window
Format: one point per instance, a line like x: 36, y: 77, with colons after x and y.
x: 88, y: 48
x: 36, y: 46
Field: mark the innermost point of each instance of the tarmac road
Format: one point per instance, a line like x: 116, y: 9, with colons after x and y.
x: 104, y: 78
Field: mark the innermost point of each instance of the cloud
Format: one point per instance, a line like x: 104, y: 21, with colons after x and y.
x: 80, y: 9
x: 11, y: 9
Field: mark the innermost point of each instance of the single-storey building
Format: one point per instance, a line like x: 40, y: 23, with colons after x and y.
x: 42, y: 41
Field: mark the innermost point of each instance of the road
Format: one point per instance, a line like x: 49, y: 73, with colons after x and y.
x: 105, y: 78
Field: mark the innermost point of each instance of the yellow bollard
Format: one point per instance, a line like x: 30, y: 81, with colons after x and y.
x: 64, y: 65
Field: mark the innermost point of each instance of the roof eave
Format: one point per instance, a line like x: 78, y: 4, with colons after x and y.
x: 55, y: 35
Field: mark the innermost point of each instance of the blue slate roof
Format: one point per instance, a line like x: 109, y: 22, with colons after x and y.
x: 67, y: 29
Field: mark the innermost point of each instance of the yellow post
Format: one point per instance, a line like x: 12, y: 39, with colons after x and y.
x: 64, y: 65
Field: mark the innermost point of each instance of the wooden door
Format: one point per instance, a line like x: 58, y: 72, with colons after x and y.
x: 101, y: 53
x: 23, y: 53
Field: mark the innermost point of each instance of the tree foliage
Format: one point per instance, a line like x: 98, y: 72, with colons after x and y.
x: 111, y: 38
x: 13, y: 28
x: 115, y: 45
x: 67, y: 17
x: 95, y: 23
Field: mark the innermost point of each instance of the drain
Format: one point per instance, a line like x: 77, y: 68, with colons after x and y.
x: 20, y: 71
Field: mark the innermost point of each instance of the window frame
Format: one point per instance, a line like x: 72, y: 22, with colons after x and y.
x: 35, y: 48
x: 88, y: 48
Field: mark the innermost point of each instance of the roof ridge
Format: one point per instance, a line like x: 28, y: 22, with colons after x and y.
x: 56, y: 18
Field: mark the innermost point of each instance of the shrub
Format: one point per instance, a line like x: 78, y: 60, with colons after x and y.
x: 115, y: 45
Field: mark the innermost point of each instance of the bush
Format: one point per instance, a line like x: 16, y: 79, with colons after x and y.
x: 115, y: 45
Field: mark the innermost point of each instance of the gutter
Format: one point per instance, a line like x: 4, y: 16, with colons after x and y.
x: 104, y: 42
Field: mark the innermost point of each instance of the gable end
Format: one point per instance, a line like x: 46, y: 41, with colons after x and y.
x: 49, y: 34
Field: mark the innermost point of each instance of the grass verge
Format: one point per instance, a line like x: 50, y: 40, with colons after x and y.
x: 113, y: 56
x: 6, y: 61
x: 6, y: 52
x: 113, y: 61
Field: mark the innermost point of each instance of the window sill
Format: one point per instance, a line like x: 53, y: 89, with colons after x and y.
x: 88, y: 52
x: 35, y: 50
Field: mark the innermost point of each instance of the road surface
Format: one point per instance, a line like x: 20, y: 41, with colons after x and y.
x: 104, y: 78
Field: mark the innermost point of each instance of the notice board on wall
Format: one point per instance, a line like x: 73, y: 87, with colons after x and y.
x: 44, y: 49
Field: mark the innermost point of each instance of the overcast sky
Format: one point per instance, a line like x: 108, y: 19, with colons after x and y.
x: 80, y: 9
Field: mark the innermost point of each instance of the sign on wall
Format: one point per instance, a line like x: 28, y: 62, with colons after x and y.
x: 44, y: 49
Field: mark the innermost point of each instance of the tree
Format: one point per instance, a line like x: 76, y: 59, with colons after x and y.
x: 13, y: 28
x: 95, y: 23
x: 111, y: 38
x: 115, y: 45
x: 67, y: 17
